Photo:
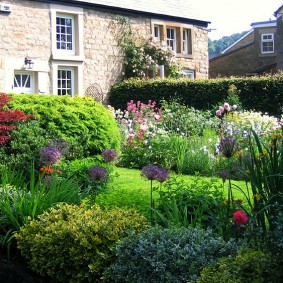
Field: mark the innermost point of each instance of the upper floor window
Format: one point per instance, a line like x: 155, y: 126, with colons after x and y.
x: 64, y: 32
x: 171, y: 38
x: 187, y: 41
x: 157, y: 33
x: 178, y: 37
x: 267, y: 43
x: 67, y: 33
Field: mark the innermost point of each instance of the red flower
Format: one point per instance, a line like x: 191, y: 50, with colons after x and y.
x: 46, y: 170
x: 240, y: 217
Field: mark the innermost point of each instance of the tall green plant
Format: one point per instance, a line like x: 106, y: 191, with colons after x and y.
x: 264, y: 171
x: 22, y: 201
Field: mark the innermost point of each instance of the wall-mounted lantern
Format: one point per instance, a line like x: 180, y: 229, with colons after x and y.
x: 29, y: 63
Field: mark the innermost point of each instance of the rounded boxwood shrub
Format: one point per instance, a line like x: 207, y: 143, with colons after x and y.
x: 167, y: 255
x: 72, y: 243
x: 80, y: 121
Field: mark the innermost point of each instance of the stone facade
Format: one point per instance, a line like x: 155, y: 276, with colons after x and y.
x: 29, y: 31
x: 245, y: 57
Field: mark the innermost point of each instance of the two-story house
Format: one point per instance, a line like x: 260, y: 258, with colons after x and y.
x: 65, y: 47
x: 252, y: 54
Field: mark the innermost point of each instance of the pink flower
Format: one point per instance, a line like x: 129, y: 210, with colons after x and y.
x: 227, y: 106
x: 221, y: 109
x: 143, y: 127
x: 218, y: 113
x: 156, y: 116
x: 240, y: 217
x: 234, y: 107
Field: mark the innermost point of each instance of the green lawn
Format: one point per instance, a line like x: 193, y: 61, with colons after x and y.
x: 129, y: 190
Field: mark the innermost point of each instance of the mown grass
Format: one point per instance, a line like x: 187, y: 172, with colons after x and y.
x: 128, y: 189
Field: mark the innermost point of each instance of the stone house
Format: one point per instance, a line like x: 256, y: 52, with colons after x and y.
x: 70, y: 47
x: 253, y: 54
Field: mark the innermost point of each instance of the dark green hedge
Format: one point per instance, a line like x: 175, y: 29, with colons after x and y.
x: 263, y: 94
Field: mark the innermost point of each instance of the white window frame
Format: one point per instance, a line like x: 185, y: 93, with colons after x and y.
x: 171, y: 41
x: 73, y: 34
x: 77, y: 76
x: 265, y: 39
x: 75, y: 13
x: 189, y: 74
x: 31, y: 82
x: 157, y: 32
x: 72, y: 88
x: 187, y: 41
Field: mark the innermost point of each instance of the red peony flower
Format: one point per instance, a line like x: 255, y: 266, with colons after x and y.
x: 240, y: 217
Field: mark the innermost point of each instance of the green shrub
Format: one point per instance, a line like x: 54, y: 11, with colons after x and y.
x: 73, y: 243
x: 23, y: 149
x: 259, y: 93
x: 169, y: 255
x: 198, y: 204
x: 178, y: 118
x: 82, y: 122
x: 250, y: 266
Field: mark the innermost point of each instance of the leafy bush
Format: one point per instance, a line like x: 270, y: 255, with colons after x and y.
x: 169, y: 255
x: 73, y: 243
x: 251, y: 266
x: 178, y: 118
x: 23, y: 149
x: 197, y: 204
x: 82, y: 122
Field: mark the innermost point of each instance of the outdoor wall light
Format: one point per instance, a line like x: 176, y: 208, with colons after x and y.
x: 29, y: 63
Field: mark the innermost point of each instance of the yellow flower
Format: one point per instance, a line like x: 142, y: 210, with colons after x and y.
x: 257, y: 197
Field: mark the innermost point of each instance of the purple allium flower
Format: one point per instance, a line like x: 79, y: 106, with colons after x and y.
x: 98, y: 173
x: 109, y: 154
x: 49, y: 155
x: 224, y: 174
x: 227, y: 147
x: 153, y: 172
x: 162, y: 175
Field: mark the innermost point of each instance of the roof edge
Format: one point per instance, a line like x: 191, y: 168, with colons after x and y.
x: 124, y: 11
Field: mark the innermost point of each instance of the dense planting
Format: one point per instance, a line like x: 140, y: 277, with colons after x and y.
x: 59, y: 165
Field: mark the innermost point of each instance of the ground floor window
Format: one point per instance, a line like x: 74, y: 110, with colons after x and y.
x: 23, y: 82
x: 65, y: 81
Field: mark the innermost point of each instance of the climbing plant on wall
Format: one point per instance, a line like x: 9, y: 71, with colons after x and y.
x: 144, y: 54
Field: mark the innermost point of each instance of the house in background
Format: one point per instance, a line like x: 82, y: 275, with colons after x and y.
x: 69, y: 47
x: 253, y: 54
x: 258, y: 52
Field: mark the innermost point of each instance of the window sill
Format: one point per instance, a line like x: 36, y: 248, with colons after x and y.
x: 67, y: 57
x: 186, y: 56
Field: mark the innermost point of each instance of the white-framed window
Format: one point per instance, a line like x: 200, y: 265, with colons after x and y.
x: 189, y: 74
x: 171, y: 38
x: 65, y: 32
x: 65, y: 81
x: 157, y: 33
x: 267, y: 43
x: 187, y: 41
x: 23, y: 82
